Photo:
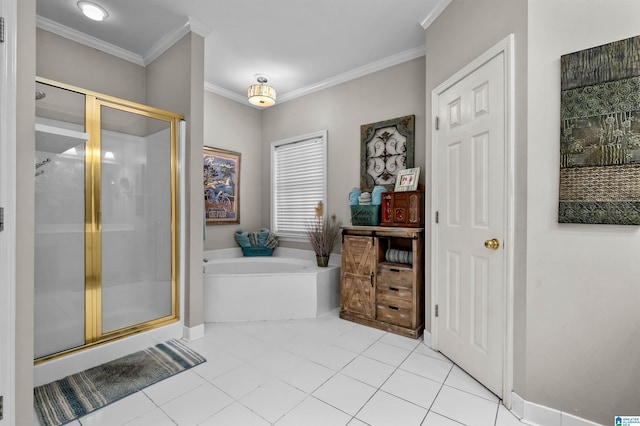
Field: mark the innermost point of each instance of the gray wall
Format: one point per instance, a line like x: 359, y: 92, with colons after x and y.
x: 583, y: 281
x: 390, y: 93
x: 73, y: 63
x: 25, y: 201
x: 236, y: 127
x: 341, y: 110
x: 465, y: 30
x: 175, y: 87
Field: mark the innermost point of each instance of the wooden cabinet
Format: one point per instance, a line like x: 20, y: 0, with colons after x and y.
x: 358, y: 265
x: 382, y: 278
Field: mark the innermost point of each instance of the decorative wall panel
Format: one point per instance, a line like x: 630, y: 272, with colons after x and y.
x: 386, y: 148
x: 600, y: 135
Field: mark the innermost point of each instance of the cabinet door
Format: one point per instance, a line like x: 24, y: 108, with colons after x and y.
x: 358, y: 263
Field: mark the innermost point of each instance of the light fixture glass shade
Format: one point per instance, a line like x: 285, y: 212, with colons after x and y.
x: 261, y: 95
x: 93, y: 11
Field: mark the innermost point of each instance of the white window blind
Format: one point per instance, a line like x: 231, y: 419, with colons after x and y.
x: 298, y: 182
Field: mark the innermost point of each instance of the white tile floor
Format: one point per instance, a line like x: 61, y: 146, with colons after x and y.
x: 322, y: 372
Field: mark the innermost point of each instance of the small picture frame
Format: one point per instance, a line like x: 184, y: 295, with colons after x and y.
x: 407, y: 180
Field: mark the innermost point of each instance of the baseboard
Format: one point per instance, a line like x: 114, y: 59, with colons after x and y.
x: 426, y: 338
x: 540, y: 415
x: 193, y: 333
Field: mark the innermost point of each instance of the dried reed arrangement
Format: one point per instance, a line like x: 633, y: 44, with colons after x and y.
x: 324, y: 234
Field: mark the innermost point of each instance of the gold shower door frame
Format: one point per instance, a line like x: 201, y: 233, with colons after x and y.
x: 93, y: 217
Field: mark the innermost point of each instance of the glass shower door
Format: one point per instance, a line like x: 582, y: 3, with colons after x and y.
x: 136, y: 219
x: 105, y: 219
x: 59, y: 268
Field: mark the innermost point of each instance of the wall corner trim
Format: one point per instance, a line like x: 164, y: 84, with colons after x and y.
x: 433, y: 15
x: 426, y: 337
x: 193, y: 333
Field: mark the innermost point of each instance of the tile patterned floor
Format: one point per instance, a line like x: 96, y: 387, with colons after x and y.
x: 321, y: 372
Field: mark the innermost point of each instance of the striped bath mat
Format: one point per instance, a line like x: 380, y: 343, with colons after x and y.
x: 64, y: 400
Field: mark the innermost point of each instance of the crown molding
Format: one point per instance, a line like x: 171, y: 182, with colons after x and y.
x: 172, y: 37
x: 387, y: 62
x: 390, y: 61
x: 226, y: 93
x: 203, y: 30
x: 433, y: 15
x: 165, y: 42
x: 199, y: 27
x: 87, y: 40
x: 156, y: 50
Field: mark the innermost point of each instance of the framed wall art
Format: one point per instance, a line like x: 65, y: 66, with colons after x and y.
x: 600, y: 135
x: 386, y: 148
x: 221, y: 176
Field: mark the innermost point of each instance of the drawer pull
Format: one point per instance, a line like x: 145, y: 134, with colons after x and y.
x: 394, y: 289
x: 394, y: 269
x: 393, y: 307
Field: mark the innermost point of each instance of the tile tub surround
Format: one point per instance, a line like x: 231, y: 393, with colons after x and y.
x: 323, y: 371
x: 287, y: 285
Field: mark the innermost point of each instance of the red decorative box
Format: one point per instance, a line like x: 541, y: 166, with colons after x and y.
x: 403, y: 209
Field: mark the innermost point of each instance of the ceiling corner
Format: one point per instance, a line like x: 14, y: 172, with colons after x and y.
x: 172, y: 37
x: 165, y: 42
x: 199, y: 27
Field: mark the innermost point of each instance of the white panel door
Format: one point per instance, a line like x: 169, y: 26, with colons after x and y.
x: 470, y: 279
x: 7, y: 202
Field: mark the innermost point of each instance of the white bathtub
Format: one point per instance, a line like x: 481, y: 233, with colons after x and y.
x: 287, y: 285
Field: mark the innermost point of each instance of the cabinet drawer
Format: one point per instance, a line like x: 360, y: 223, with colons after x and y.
x: 397, y: 296
x: 393, y: 314
x: 393, y: 275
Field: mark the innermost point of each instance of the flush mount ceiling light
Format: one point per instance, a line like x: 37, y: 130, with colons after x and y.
x: 261, y: 94
x: 93, y: 11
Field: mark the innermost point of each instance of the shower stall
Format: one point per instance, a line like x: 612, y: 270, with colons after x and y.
x: 106, y: 207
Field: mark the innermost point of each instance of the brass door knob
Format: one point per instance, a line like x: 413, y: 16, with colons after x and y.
x: 492, y: 244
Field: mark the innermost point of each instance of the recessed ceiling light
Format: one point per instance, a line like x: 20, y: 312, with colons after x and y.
x: 93, y: 11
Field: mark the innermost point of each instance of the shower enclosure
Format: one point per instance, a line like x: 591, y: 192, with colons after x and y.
x: 106, y: 218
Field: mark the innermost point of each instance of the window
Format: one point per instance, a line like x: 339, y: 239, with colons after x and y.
x: 298, y: 183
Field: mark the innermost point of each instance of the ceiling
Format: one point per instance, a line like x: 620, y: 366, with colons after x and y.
x: 301, y: 45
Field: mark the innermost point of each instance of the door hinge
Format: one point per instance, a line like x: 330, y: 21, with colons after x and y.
x: 1, y: 218
x: 437, y: 123
x: 436, y: 309
x: 1, y: 29
x: 437, y: 216
x: 1, y: 408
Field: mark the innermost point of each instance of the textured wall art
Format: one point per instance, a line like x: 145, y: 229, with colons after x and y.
x: 386, y: 148
x: 221, y: 176
x: 600, y: 135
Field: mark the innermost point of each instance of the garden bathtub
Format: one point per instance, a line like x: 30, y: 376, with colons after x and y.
x: 287, y: 285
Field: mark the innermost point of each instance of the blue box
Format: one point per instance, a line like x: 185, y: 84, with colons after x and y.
x: 365, y: 215
x: 257, y: 251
